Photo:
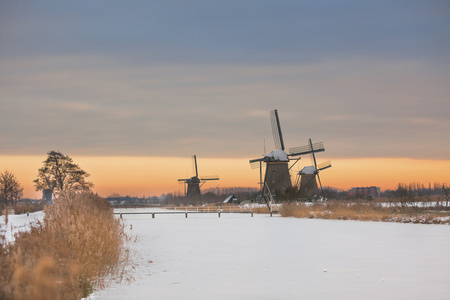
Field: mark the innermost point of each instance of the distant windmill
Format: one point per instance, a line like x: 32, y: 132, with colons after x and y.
x: 194, y: 183
x: 277, y: 175
x: 306, y: 177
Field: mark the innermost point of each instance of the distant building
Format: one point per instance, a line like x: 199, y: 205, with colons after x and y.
x: 231, y: 199
x: 361, y: 192
x: 232, y: 190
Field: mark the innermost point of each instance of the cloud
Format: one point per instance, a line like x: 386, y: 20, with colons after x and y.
x: 177, y: 78
x: 227, y: 31
x: 358, y: 108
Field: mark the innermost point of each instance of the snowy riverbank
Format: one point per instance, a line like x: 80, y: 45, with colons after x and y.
x: 18, y: 223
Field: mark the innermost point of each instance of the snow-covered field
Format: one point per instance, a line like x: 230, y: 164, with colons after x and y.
x: 240, y: 257
x: 17, y: 223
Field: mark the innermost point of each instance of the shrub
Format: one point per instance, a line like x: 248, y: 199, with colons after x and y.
x: 365, y: 211
x: 76, y: 246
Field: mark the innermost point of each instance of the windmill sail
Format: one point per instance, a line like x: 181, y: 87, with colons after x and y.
x: 276, y: 130
x: 255, y: 164
x: 195, y: 163
x: 324, y: 165
x: 306, y: 149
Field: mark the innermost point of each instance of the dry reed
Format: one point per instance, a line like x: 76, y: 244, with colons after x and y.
x: 77, y: 246
x: 365, y: 211
x: 260, y: 210
x: 22, y: 208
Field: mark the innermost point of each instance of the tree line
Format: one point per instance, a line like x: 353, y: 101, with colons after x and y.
x: 59, y: 173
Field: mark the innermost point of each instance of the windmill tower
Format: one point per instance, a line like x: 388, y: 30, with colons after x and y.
x: 277, y: 176
x: 194, y: 183
x: 306, y: 178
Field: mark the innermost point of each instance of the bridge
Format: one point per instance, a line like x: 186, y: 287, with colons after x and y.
x: 191, y: 210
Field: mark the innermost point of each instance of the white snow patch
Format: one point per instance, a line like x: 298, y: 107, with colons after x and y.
x: 309, y: 170
x: 278, y: 155
x: 18, y: 223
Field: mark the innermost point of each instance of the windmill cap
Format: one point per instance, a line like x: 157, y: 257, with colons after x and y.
x: 310, y: 170
x: 277, y: 155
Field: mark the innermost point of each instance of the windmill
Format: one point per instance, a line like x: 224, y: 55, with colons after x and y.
x: 306, y: 177
x: 194, y: 183
x: 277, y: 176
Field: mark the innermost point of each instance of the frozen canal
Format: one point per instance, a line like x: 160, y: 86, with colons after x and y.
x: 240, y: 257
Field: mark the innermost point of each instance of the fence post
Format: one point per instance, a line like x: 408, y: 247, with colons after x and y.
x: 219, y: 214
x: 121, y: 215
x: 185, y: 214
x: 153, y: 216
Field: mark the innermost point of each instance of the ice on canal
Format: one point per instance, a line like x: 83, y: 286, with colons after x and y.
x: 238, y: 256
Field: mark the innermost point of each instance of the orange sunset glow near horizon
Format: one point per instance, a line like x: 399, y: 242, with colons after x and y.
x: 153, y: 176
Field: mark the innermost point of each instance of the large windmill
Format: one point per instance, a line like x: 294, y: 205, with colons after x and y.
x: 194, y: 183
x: 277, y: 176
x: 306, y: 177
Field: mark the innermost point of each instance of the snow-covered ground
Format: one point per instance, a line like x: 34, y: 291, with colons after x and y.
x: 17, y: 223
x: 240, y: 257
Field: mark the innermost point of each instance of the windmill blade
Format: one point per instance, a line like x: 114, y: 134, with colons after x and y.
x: 195, y: 164
x: 312, y: 153
x: 276, y: 130
x: 256, y: 160
x: 255, y: 164
x: 261, y: 167
x: 183, y: 179
x: 202, y: 183
x: 296, y: 161
x: 306, y: 149
x: 210, y: 178
x: 324, y: 165
x: 320, y: 183
x: 258, y: 164
x: 297, y: 180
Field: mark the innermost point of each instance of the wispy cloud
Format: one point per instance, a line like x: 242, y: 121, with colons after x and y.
x: 222, y: 110
x: 176, y: 78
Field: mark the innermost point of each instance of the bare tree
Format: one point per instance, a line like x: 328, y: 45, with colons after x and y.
x: 402, y: 194
x: 10, y: 189
x: 60, y: 173
x: 446, y: 191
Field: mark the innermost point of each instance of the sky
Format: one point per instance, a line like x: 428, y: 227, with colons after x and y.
x: 123, y: 86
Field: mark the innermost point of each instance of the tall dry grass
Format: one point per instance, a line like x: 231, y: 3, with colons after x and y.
x: 22, y: 208
x: 365, y: 211
x: 261, y: 210
x: 77, y: 246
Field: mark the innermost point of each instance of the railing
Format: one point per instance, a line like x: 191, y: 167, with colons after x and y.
x: 189, y: 210
x: 209, y: 209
